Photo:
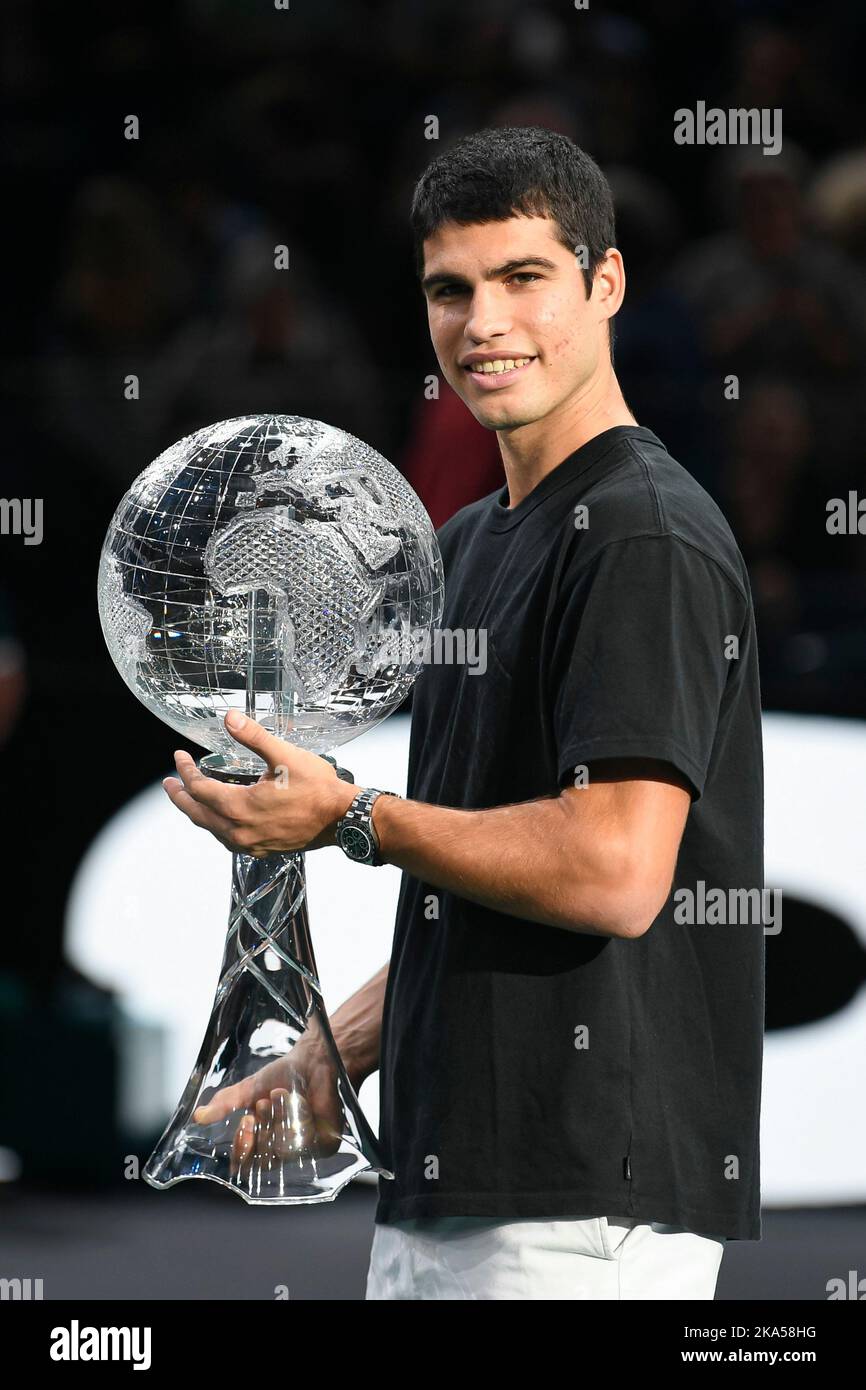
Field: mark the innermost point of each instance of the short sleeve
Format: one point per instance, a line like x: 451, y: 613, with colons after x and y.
x: 641, y: 656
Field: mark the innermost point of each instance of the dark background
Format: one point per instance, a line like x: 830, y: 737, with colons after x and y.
x: 154, y: 257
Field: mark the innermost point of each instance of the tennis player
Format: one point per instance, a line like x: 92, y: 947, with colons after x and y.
x: 569, y: 1050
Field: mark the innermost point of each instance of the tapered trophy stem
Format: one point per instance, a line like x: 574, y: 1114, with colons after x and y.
x: 269, y: 1110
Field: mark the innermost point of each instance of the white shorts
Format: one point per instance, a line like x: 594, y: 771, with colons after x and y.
x: 597, y: 1257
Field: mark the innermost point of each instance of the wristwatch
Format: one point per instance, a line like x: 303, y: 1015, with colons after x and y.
x: 356, y: 834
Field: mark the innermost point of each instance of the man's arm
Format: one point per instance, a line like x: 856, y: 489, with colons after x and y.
x: 598, y: 858
x: 357, y: 1028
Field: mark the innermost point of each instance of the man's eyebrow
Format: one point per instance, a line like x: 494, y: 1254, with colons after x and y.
x: 443, y: 277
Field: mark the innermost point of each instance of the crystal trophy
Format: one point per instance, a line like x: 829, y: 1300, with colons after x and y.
x: 279, y: 566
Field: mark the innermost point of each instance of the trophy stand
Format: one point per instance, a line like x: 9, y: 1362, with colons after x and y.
x: 269, y: 1110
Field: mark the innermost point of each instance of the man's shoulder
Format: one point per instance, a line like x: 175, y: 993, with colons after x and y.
x: 645, y: 493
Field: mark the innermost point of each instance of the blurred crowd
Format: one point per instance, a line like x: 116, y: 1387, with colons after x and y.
x: 742, y: 342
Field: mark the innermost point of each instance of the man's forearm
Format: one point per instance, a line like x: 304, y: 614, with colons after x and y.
x: 357, y: 1028
x: 520, y: 859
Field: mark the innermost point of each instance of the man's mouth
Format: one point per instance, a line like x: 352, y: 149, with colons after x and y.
x: 498, y: 364
x: 497, y: 371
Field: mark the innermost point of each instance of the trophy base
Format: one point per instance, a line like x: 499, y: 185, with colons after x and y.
x: 246, y: 769
x: 284, y: 1184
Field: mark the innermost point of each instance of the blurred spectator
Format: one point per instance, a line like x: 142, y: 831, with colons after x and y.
x: 277, y: 344
x: 810, y: 616
x: 119, y: 302
x: 13, y: 677
x: 770, y: 293
x: 774, y: 67
x: 773, y: 296
x: 837, y: 202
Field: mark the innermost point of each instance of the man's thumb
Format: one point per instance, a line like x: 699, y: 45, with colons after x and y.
x: 252, y: 735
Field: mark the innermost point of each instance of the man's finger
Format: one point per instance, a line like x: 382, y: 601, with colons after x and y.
x: 252, y: 735
x: 206, y: 790
x: 230, y: 1098
x: 243, y: 1148
x: 184, y: 802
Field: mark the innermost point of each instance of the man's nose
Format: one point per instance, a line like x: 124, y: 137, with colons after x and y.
x: 489, y: 315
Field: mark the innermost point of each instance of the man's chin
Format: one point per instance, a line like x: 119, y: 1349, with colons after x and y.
x: 505, y: 419
x: 500, y: 415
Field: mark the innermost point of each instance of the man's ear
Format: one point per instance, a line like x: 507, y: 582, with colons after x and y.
x: 609, y: 283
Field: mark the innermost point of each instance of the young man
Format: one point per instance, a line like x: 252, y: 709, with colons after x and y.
x: 570, y: 1049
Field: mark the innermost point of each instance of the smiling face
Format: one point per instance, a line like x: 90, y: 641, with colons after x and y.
x: 510, y: 322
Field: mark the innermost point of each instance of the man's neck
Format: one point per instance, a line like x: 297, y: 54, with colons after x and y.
x: 530, y: 452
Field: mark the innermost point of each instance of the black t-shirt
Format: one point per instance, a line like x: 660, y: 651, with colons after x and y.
x: 533, y: 1071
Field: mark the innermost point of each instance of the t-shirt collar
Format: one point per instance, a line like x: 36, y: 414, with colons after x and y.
x: 502, y: 518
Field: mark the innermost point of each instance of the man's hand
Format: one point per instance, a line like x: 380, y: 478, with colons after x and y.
x: 292, y: 1109
x: 295, y: 805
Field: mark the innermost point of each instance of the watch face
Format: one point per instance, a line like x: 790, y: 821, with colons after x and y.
x: 355, y: 841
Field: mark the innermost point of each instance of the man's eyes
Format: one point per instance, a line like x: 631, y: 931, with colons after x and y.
x: 448, y: 291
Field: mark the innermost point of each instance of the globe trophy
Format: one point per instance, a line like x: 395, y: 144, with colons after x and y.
x: 278, y: 566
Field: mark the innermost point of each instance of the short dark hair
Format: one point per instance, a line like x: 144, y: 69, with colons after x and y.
x: 509, y: 171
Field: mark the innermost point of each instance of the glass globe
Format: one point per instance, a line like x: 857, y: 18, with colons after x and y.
x: 271, y: 564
